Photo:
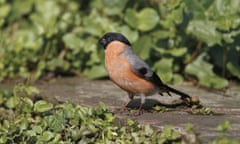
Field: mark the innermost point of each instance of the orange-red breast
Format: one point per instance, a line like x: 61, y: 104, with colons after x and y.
x: 129, y: 71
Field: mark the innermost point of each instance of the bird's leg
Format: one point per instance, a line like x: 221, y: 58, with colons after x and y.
x: 143, y: 100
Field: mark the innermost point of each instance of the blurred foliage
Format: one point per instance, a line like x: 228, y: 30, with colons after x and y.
x: 197, y: 39
x: 26, y: 120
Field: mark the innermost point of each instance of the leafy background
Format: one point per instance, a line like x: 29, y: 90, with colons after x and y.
x: 180, y: 39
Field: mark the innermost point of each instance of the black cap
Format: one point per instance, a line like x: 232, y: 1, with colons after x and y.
x: 112, y: 36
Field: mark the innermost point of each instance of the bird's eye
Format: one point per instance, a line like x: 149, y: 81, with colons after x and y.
x: 143, y: 70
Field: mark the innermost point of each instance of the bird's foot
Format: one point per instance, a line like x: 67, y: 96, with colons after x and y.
x: 140, y: 110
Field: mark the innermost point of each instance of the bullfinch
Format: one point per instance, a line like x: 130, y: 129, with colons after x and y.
x: 130, y: 72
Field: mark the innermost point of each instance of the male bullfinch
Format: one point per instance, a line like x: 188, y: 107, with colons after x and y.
x: 130, y: 72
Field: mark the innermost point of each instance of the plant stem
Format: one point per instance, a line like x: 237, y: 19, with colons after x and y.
x: 194, y: 54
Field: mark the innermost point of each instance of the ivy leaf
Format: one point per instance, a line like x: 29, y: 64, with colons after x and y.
x: 204, y: 72
x: 130, y: 17
x: 161, y: 34
x: 20, y: 8
x: 168, y: 133
x: 131, y: 34
x: 176, y: 52
x: 12, y: 102
x: 42, y: 106
x: 196, y: 7
x: 177, y: 79
x: 32, y: 90
x: 234, y: 69
x: 28, y: 104
x: 46, y: 136
x: 56, y: 122
x: 226, y: 125
x: 71, y: 41
x: 37, y: 129
x: 205, y: 31
x: 144, y: 20
x: 96, y: 71
x: 4, y: 10
x: 148, y: 130
x: 142, y: 46
x: 114, y: 7
x: 223, y: 8
x: 147, y: 19
x: 164, y: 69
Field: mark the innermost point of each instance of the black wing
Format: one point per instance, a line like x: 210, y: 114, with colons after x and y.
x: 140, y: 68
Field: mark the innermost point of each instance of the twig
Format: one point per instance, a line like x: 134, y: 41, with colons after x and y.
x: 194, y: 54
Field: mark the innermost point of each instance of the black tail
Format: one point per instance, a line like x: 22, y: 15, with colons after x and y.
x: 182, y: 94
x: 165, y: 88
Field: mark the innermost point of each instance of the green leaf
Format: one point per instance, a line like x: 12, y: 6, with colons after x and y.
x: 144, y: 20
x: 143, y: 46
x: 4, y: 10
x: 229, y: 37
x: 71, y: 41
x: 31, y: 90
x: 94, y: 24
x: 228, y: 8
x: 114, y: 7
x: 4, y: 139
x: 102, y: 106
x: 161, y: 34
x: 19, y: 8
x: 12, y: 102
x: 176, y: 52
x: 56, y: 122
x: 131, y: 18
x: 132, y: 35
x: 204, y: 72
x: 177, y: 79
x: 168, y: 133
x: 234, y: 69
x: 160, y: 109
x: 42, y: 106
x: 189, y: 127
x: 224, y: 126
x: 131, y: 122
x: 164, y: 69
x: 195, y: 7
x: 109, y: 117
x: 28, y: 105
x: 46, y: 136
x: 205, y: 31
x: 147, y: 19
x: 97, y: 71
x: 37, y: 129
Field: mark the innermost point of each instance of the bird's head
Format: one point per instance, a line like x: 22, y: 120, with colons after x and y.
x: 112, y: 36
